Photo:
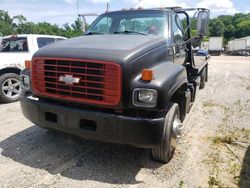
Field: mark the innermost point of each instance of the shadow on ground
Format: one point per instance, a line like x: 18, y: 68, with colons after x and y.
x: 76, y: 158
x: 245, y: 171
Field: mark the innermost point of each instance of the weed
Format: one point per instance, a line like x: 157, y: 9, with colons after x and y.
x: 226, y: 118
x: 181, y: 184
x: 214, y: 181
x: 210, y: 104
x: 226, y: 109
x: 235, y: 168
x: 227, y: 139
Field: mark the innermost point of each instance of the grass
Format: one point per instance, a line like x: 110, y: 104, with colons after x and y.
x: 214, y: 160
x: 227, y: 144
x: 210, y: 104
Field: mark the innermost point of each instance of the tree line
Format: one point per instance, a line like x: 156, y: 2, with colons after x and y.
x: 20, y: 25
x: 228, y: 26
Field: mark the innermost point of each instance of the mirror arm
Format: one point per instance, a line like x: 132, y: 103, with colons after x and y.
x: 190, y: 40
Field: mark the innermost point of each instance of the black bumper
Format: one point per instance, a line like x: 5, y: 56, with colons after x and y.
x: 136, y: 131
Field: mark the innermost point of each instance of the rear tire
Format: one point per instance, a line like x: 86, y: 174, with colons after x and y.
x: 165, y: 151
x: 10, y: 88
x: 203, y: 78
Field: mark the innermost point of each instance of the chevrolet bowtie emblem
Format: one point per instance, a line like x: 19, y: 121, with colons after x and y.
x: 69, y: 79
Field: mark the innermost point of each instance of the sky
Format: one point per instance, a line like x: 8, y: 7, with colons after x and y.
x: 65, y: 11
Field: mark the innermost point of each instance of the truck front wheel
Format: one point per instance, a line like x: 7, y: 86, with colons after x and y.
x: 10, y: 88
x: 165, y: 151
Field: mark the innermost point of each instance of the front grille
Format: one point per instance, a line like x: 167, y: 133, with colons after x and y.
x: 95, y: 82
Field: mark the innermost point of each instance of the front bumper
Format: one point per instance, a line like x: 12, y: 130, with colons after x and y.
x: 90, y: 124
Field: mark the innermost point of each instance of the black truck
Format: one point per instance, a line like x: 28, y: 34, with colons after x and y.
x: 131, y: 79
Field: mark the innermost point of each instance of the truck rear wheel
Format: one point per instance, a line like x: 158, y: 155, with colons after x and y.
x: 10, y: 88
x: 203, y: 78
x: 165, y: 151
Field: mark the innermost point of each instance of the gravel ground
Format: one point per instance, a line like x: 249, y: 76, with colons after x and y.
x: 214, y: 149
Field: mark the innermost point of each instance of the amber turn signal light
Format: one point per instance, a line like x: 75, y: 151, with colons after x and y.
x: 27, y: 64
x: 147, y: 75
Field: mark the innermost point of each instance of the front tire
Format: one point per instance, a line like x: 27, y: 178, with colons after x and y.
x: 165, y: 151
x: 10, y: 88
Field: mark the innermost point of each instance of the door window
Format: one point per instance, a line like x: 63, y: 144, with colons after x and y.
x: 42, y: 41
x: 14, y: 44
x: 177, y: 29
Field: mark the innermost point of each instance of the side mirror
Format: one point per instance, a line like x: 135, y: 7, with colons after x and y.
x: 202, y: 22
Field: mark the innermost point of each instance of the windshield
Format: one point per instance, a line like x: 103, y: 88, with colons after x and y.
x: 14, y: 44
x: 130, y: 22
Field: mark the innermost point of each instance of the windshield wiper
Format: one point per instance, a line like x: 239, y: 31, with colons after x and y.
x: 94, y: 33
x: 130, y: 31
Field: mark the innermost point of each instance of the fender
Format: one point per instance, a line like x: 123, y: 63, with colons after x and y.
x: 168, y: 77
x: 11, y: 69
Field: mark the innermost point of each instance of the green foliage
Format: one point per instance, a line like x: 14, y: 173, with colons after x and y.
x: 6, y: 23
x: 244, y: 28
x: 216, y: 28
x: 19, y: 25
x: 230, y: 27
x: 236, y: 26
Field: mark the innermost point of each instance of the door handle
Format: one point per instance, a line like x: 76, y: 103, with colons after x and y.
x: 177, y: 55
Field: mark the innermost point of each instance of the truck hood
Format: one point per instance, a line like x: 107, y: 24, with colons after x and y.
x: 117, y: 48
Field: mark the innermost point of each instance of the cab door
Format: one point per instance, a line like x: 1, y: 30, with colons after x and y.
x: 179, y: 48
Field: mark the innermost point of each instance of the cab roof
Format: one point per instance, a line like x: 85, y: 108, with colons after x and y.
x: 168, y: 9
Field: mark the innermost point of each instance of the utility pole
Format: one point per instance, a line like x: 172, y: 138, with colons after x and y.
x: 107, y: 7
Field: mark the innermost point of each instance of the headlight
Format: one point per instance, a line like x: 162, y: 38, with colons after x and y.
x: 25, y: 82
x: 145, y: 97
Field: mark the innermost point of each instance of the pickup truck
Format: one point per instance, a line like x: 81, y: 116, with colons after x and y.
x: 131, y: 79
x: 14, y: 50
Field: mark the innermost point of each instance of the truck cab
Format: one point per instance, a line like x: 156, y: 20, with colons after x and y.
x: 131, y: 79
x: 14, y: 50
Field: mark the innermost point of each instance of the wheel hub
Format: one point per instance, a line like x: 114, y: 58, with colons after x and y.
x: 176, y: 131
x: 11, y: 88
